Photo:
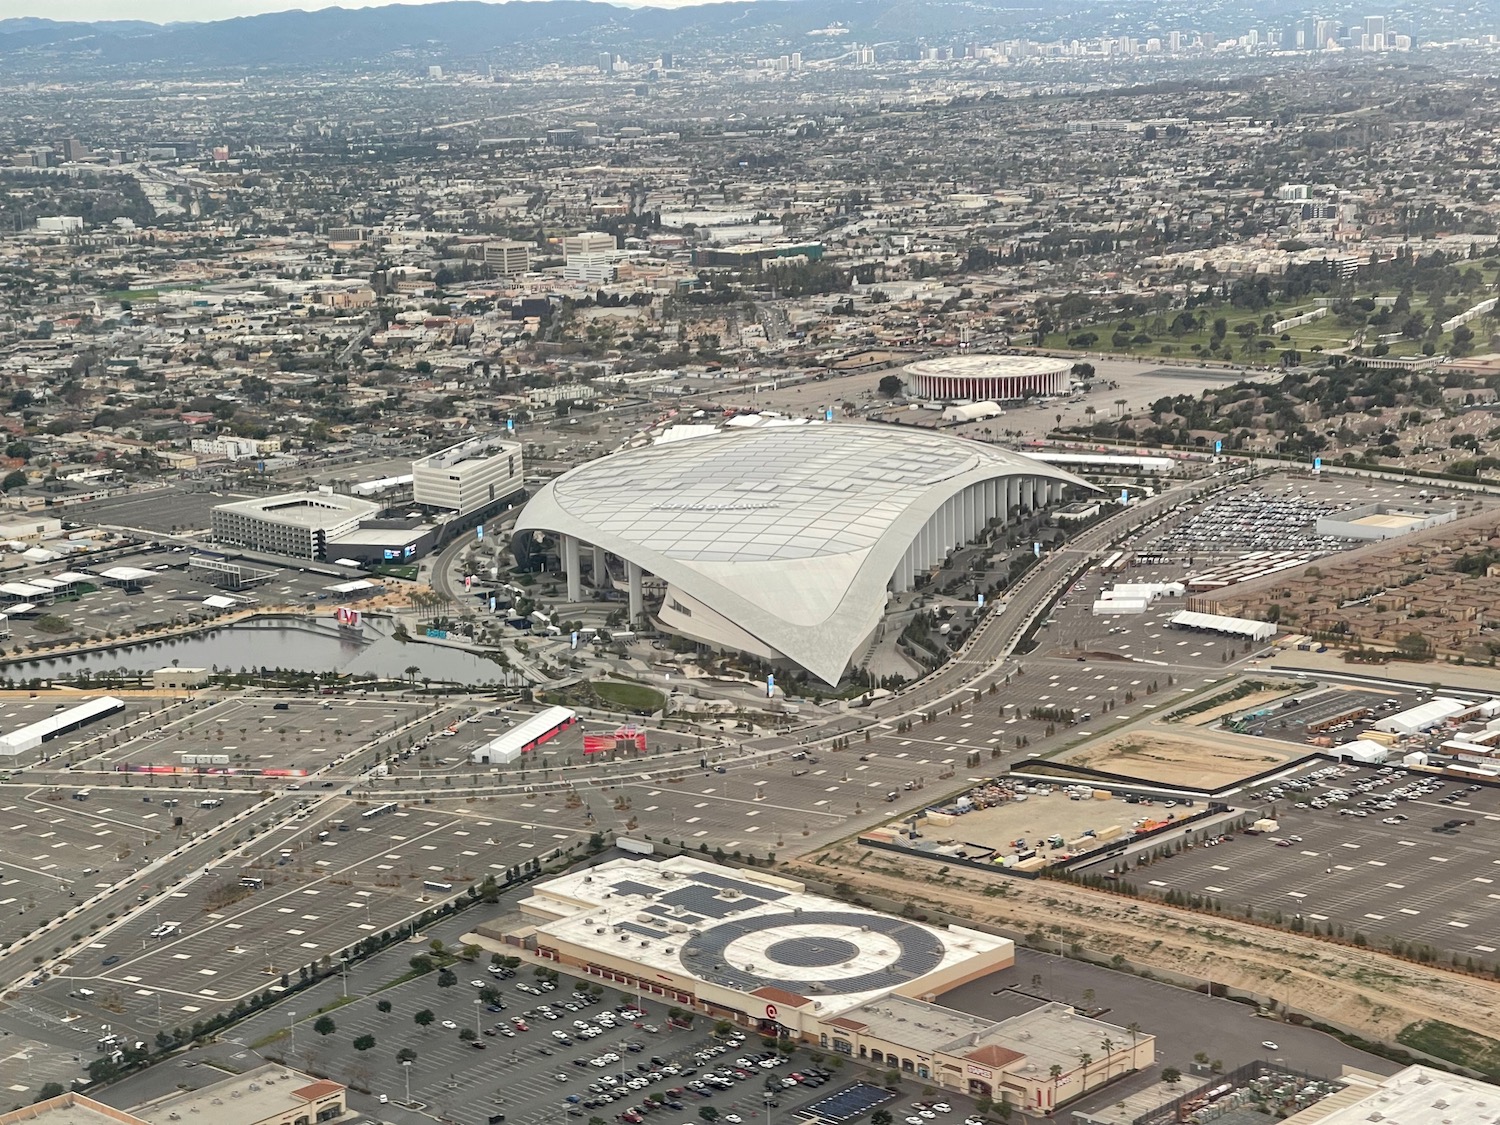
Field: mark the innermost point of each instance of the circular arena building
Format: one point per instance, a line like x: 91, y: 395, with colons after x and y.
x: 984, y: 378
x: 782, y: 541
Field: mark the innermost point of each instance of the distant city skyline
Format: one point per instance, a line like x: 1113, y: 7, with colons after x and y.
x: 194, y: 11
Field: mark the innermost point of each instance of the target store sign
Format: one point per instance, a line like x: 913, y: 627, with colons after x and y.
x: 771, y: 1011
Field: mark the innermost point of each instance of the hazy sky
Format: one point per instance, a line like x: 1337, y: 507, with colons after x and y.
x: 165, y: 11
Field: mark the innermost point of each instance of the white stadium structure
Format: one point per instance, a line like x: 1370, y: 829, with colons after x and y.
x: 784, y: 541
x: 987, y: 378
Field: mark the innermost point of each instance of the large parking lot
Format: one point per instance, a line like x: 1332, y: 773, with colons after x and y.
x: 327, y: 878
x: 57, y: 849
x: 263, y: 733
x: 1368, y: 860
x: 542, y: 1056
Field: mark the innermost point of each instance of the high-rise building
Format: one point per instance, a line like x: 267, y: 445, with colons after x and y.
x: 1374, y: 33
x: 588, y: 244
x: 508, y: 259
x: 435, y: 73
x: 667, y: 61
x: 605, y: 62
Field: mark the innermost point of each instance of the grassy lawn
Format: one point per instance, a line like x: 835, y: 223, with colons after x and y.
x: 1147, y: 336
x: 1455, y: 1044
x: 409, y: 573
x: 132, y: 295
x: 636, y: 698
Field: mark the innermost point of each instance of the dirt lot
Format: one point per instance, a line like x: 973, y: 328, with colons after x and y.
x: 1204, y: 760
x: 1037, y: 818
x: 1212, y: 716
x: 1368, y: 991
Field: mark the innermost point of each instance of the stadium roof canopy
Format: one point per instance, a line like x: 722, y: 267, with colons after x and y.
x: 790, y: 536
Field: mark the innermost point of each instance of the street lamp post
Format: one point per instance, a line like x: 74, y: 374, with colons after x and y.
x: 406, y: 1069
x: 477, y: 1003
x: 291, y: 1027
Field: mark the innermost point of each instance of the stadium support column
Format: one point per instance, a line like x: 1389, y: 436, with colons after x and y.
x: 637, y: 599
x: 601, y: 572
x: 570, y: 568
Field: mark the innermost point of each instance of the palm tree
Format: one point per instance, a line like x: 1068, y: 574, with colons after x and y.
x: 1084, y: 1059
x: 1107, y: 1045
x: 1055, y: 1072
x: 411, y: 672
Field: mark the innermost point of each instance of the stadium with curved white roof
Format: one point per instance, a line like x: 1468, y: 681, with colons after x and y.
x: 984, y: 378
x: 784, y: 542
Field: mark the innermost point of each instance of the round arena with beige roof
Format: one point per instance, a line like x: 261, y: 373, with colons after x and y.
x: 982, y: 378
x: 784, y: 542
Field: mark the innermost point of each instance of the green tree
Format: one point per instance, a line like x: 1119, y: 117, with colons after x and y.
x: 383, y: 1007
x: 467, y: 1035
x: 708, y: 1113
x: 881, y: 1117
x: 1171, y: 1075
x: 325, y: 1025
x: 364, y: 1043
x: 406, y: 1055
x: 13, y: 480
x: 889, y: 385
x: 424, y: 1018
x: 50, y: 1090
x: 447, y: 978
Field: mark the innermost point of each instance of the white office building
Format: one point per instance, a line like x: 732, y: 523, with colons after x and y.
x: 468, y: 476
x: 588, y: 244
x: 592, y: 269
x: 297, y: 524
x: 509, y: 259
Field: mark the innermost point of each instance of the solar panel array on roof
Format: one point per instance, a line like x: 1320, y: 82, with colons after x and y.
x: 631, y: 887
x: 749, y: 890
x: 673, y: 915
x: 644, y: 931
x: 920, y: 951
x: 705, y: 901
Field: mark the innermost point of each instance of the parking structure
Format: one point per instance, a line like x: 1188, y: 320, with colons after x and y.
x: 1381, y: 852
x: 534, y: 1064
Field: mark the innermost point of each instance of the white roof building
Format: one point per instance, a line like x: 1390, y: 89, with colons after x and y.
x: 725, y: 935
x: 1424, y: 716
x: 1418, y: 1095
x: 784, y: 541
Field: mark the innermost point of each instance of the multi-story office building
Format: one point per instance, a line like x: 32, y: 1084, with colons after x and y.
x: 587, y: 244
x: 469, y: 476
x: 509, y: 259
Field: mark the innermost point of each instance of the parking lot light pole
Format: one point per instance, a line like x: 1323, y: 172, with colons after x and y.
x: 291, y: 1027
x: 477, y: 1003
x: 406, y: 1068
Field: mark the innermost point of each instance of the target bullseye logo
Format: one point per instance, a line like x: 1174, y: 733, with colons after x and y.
x: 771, y: 1011
x: 838, y: 951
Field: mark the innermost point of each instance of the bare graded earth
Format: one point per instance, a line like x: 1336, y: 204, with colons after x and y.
x: 1351, y: 987
x: 1202, y: 760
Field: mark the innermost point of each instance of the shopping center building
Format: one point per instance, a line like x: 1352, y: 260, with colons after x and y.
x: 763, y: 952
